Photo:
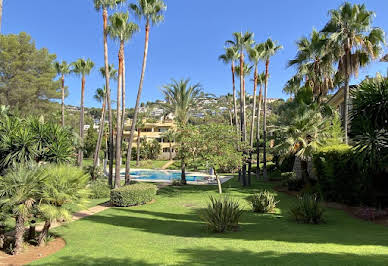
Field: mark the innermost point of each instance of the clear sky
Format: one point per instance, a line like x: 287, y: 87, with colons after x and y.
x: 186, y: 45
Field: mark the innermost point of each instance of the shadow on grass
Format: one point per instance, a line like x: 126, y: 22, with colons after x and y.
x: 85, y: 260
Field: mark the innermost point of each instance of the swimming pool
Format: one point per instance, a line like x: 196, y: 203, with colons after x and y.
x: 164, y: 175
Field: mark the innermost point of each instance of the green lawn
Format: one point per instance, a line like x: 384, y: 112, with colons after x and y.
x: 170, y: 232
x: 149, y: 164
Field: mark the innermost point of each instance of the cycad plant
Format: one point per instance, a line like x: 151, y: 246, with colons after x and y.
x: 152, y: 12
x: 83, y: 68
x: 62, y: 69
x: 122, y: 30
x: 355, y: 44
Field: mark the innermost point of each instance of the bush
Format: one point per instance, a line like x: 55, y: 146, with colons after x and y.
x: 95, y: 173
x: 136, y: 194
x: 222, y: 214
x: 308, y: 210
x: 99, y: 189
x: 263, y: 202
x: 294, y: 183
x: 287, y: 164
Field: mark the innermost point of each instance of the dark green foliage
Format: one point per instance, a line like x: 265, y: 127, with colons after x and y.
x: 136, y: 194
x: 99, y: 189
x: 263, y: 202
x: 222, y: 214
x: 288, y: 163
x: 90, y: 142
x: 294, y: 183
x: 308, y: 210
x: 149, y: 150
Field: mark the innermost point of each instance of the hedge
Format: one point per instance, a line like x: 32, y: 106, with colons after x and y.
x: 132, y: 195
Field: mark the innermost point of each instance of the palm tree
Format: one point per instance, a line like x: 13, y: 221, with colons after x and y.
x: 230, y: 56
x: 152, y: 12
x: 169, y: 135
x: 270, y: 49
x: 261, y: 81
x: 122, y: 30
x: 356, y: 43
x: 62, y: 69
x: 314, y: 66
x: 139, y: 125
x: 20, y: 189
x: 242, y: 42
x: 101, y: 96
x: 1, y: 12
x: 181, y: 99
x: 82, y: 67
x: 105, y: 5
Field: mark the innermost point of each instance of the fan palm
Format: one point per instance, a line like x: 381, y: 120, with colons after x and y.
x: 122, y: 30
x: 270, y: 49
x: 181, y: 99
x: 356, y: 44
x: 104, y: 5
x: 152, y: 12
x: 230, y: 56
x: 62, y: 69
x: 314, y: 65
x: 82, y: 67
x: 242, y: 42
x: 20, y: 189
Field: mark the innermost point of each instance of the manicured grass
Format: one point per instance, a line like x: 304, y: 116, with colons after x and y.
x: 149, y: 164
x: 169, y: 231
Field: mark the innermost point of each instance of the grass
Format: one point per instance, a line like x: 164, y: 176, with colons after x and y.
x: 149, y: 164
x: 169, y: 231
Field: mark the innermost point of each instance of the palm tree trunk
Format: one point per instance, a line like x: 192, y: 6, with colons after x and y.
x: 118, y: 114
x: 138, y: 147
x: 19, y: 229
x: 234, y: 98
x: 63, y: 99
x: 252, y: 124
x: 265, y: 122
x: 242, y: 121
x: 129, y: 151
x: 170, y: 150
x: 123, y: 102
x: 258, y: 133
x: 44, y: 233
x: 346, y: 95
x: 183, y: 172
x: 218, y: 182
x: 81, y: 122
x: 100, y: 135
x: 108, y: 100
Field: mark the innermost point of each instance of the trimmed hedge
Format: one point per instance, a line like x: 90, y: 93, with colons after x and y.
x: 132, y: 195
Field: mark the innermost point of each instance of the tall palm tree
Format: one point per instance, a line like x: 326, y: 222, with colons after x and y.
x: 270, y: 49
x: 82, y: 67
x: 152, y: 12
x: 230, y: 56
x: 102, y: 98
x: 181, y: 99
x: 105, y: 5
x: 260, y: 81
x: 356, y: 43
x: 122, y: 30
x: 169, y: 135
x: 1, y: 12
x: 314, y: 64
x: 139, y: 125
x: 242, y: 42
x: 62, y: 70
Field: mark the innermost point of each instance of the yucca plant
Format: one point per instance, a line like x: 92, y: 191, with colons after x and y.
x: 263, y: 202
x: 308, y: 210
x: 222, y: 214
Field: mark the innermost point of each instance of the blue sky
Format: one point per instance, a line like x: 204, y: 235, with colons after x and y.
x: 186, y: 45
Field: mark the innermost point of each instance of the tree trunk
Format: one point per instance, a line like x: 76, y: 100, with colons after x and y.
x: 118, y: 121
x: 252, y: 125
x: 242, y: 121
x: 108, y: 100
x: 234, y: 98
x: 123, y: 102
x: 258, y: 134
x: 265, y: 122
x: 183, y: 173
x: 81, y: 122
x: 346, y: 95
x: 170, y: 150
x: 138, y: 147
x: 31, y: 230
x: 129, y: 152
x: 305, y: 173
x: 63, y: 100
x: 218, y: 182
x: 100, y: 135
x: 19, y: 229
x: 44, y: 233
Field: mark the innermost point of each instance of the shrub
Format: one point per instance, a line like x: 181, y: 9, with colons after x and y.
x: 294, y: 183
x: 263, y: 202
x: 222, y: 214
x: 287, y: 164
x: 136, y: 194
x: 95, y: 173
x: 308, y: 210
x: 99, y: 189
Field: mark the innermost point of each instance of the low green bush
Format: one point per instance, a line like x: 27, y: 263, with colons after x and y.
x: 308, y: 210
x: 263, y: 202
x: 136, y: 194
x: 222, y: 214
x: 99, y: 189
x: 287, y: 164
x: 294, y: 183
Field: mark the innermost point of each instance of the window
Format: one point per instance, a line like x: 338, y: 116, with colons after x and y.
x: 166, y: 150
x: 162, y: 129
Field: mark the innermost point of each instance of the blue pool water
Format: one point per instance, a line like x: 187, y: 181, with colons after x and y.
x: 162, y: 175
